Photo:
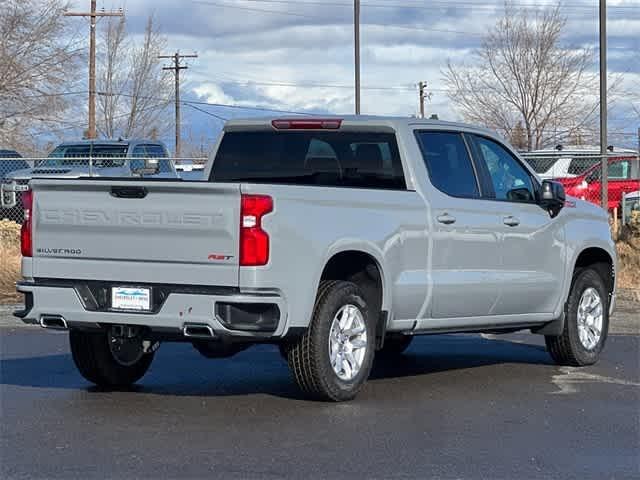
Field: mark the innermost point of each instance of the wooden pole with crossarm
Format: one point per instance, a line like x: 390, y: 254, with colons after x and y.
x: 176, y: 67
x: 93, y: 16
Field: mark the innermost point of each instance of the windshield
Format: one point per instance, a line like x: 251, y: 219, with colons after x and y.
x: 103, y: 156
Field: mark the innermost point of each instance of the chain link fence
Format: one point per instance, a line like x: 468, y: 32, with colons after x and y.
x: 15, y: 173
x: 581, y: 174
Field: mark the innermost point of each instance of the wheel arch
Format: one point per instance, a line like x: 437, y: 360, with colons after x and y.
x: 362, y: 266
x: 603, y: 262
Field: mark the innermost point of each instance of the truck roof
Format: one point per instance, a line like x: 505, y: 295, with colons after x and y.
x: 355, y: 120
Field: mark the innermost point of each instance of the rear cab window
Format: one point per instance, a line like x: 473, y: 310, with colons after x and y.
x: 619, y: 170
x: 357, y: 159
x: 103, y: 155
x: 150, y: 151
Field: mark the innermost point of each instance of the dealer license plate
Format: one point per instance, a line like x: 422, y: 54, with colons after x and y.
x: 131, y: 298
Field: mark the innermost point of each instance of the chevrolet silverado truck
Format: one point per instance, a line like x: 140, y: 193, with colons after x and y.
x: 338, y: 239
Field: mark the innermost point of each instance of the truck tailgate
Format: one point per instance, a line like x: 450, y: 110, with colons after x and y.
x: 136, y: 231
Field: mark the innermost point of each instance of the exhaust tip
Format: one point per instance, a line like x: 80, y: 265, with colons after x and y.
x: 53, y: 322
x: 198, y: 330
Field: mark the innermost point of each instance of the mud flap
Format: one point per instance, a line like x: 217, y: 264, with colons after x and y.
x: 381, y: 329
x: 553, y: 328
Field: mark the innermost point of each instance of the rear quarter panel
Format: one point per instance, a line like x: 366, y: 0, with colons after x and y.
x: 311, y: 224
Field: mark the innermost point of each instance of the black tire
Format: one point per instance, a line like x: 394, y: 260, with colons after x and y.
x: 309, y: 357
x: 395, y: 344
x: 96, y: 363
x: 567, y: 349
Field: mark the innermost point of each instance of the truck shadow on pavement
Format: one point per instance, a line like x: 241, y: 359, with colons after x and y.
x: 178, y: 370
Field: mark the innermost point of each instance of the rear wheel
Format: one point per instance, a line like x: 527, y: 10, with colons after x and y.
x: 333, y: 359
x: 109, y: 358
x: 586, y: 322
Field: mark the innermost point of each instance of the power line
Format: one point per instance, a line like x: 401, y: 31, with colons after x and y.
x: 248, y: 83
x: 317, y: 17
x: 223, y: 105
x: 208, y: 113
x: 79, y: 125
x: 251, y: 9
x: 439, y: 4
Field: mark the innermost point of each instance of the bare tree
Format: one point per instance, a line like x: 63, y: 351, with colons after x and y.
x: 38, y: 53
x: 133, y: 90
x: 523, y: 74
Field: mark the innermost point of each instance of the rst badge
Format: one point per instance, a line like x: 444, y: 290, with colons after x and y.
x: 214, y: 257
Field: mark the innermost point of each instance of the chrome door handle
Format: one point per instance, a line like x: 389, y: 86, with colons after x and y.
x: 446, y: 219
x: 511, y: 221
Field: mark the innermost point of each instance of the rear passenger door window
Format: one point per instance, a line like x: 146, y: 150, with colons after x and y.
x: 449, y: 164
x: 510, y: 180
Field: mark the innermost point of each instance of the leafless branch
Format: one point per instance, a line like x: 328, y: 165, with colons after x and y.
x: 131, y: 80
x: 524, y: 82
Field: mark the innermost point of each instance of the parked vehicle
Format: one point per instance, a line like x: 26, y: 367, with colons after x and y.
x: 188, y: 170
x: 631, y: 204
x: 92, y: 158
x: 337, y: 239
x: 623, y: 176
x: 10, y: 161
x: 568, y: 161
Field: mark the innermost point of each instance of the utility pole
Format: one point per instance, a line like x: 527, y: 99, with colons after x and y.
x: 603, y: 106
x: 93, y: 16
x: 356, y: 34
x: 177, y: 66
x: 422, y: 87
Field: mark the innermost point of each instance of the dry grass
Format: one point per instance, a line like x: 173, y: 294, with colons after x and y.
x: 628, y: 246
x: 9, y: 260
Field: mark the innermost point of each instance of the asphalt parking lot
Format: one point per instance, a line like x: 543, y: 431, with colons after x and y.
x: 461, y: 406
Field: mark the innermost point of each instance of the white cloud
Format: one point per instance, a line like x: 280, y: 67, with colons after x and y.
x: 213, y: 93
x: 243, y: 50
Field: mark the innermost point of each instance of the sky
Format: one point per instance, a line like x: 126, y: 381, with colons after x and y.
x: 297, y: 56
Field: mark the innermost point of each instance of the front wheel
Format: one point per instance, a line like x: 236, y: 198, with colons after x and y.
x: 109, y: 359
x: 586, y: 322
x: 333, y: 359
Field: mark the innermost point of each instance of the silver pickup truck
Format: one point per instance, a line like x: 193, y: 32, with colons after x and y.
x: 335, y: 238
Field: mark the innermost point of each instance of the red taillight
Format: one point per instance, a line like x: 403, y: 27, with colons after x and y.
x: 254, y: 241
x: 307, y: 124
x: 26, y: 240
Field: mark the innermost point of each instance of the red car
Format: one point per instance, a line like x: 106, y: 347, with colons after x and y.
x: 624, y: 177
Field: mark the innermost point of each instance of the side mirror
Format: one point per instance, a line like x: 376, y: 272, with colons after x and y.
x: 552, y: 197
